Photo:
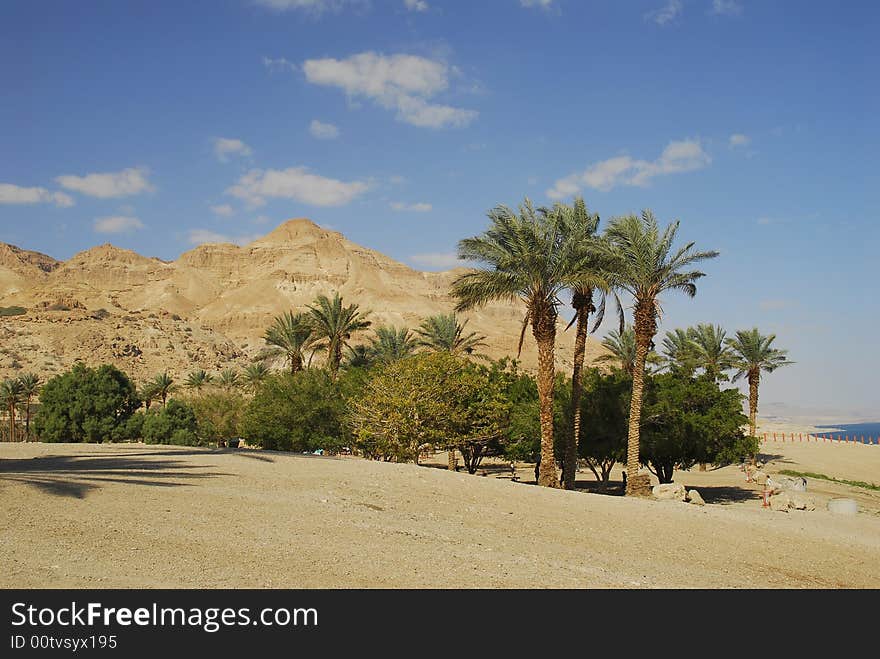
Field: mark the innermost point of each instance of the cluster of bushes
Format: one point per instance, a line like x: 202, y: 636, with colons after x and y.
x: 101, y: 404
x: 398, y: 409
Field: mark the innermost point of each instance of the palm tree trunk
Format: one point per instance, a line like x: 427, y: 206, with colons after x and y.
x: 645, y: 327
x: 754, y: 378
x: 27, y: 420
x: 334, y: 358
x: 544, y: 331
x: 583, y: 304
x: 451, y: 464
x: 12, y: 422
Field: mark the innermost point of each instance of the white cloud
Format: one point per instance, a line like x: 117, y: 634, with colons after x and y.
x: 295, y: 183
x: 128, y: 182
x: 677, y: 157
x: 667, y: 13
x: 117, y: 224
x: 16, y: 194
x: 738, y: 139
x: 437, y: 260
x: 420, y: 207
x: 416, y: 5
x: 223, y: 209
x: 397, y: 82
x: 323, y: 131
x: 201, y: 236
x: 278, y: 64
x: 726, y: 7
x: 225, y: 147
x: 542, y: 4
x: 310, y: 6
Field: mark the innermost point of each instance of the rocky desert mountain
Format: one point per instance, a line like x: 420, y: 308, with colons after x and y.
x: 210, y: 307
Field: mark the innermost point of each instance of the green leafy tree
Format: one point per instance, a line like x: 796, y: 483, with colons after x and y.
x: 334, y: 324
x: 445, y: 332
x: 173, y: 423
x: 219, y: 415
x: 605, y: 408
x: 710, y: 350
x: 291, y: 335
x: 754, y: 353
x: 299, y: 412
x: 85, y: 405
x: 648, y: 267
x: 688, y: 420
x: 526, y: 258
x: 431, y: 399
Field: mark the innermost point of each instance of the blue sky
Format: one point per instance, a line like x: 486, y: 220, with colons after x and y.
x: 158, y: 125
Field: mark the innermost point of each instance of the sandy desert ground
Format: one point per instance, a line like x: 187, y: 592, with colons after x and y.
x: 136, y: 516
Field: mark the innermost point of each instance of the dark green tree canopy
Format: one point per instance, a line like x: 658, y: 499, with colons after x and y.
x: 85, y: 405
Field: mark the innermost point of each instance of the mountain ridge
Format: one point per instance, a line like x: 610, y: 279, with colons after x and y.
x: 209, y: 307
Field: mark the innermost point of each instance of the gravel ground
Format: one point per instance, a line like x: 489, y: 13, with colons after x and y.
x: 135, y: 516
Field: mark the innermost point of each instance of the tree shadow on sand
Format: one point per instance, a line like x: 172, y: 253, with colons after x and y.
x: 727, y: 494
x: 78, y: 475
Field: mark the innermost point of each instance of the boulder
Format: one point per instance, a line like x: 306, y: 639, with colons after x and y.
x: 759, y: 477
x: 669, y: 492
x: 800, y: 502
x: 784, y: 483
x: 780, y: 502
x: 694, y: 497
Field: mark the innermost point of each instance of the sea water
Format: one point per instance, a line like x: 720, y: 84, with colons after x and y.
x: 855, y: 431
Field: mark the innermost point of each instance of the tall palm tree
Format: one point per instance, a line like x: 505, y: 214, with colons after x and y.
x: 291, y: 335
x: 148, y: 393
x: 443, y: 332
x: 710, y: 351
x: 579, y: 226
x: 163, y: 384
x: 255, y: 375
x: 679, y: 351
x: 390, y: 344
x: 30, y: 387
x: 11, y: 393
x: 229, y: 378
x: 622, y: 346
x: 334, y: 324
x: 198, y: 379
x: 528, y: 259
x: 649, y: 267
x: 754, y: 353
